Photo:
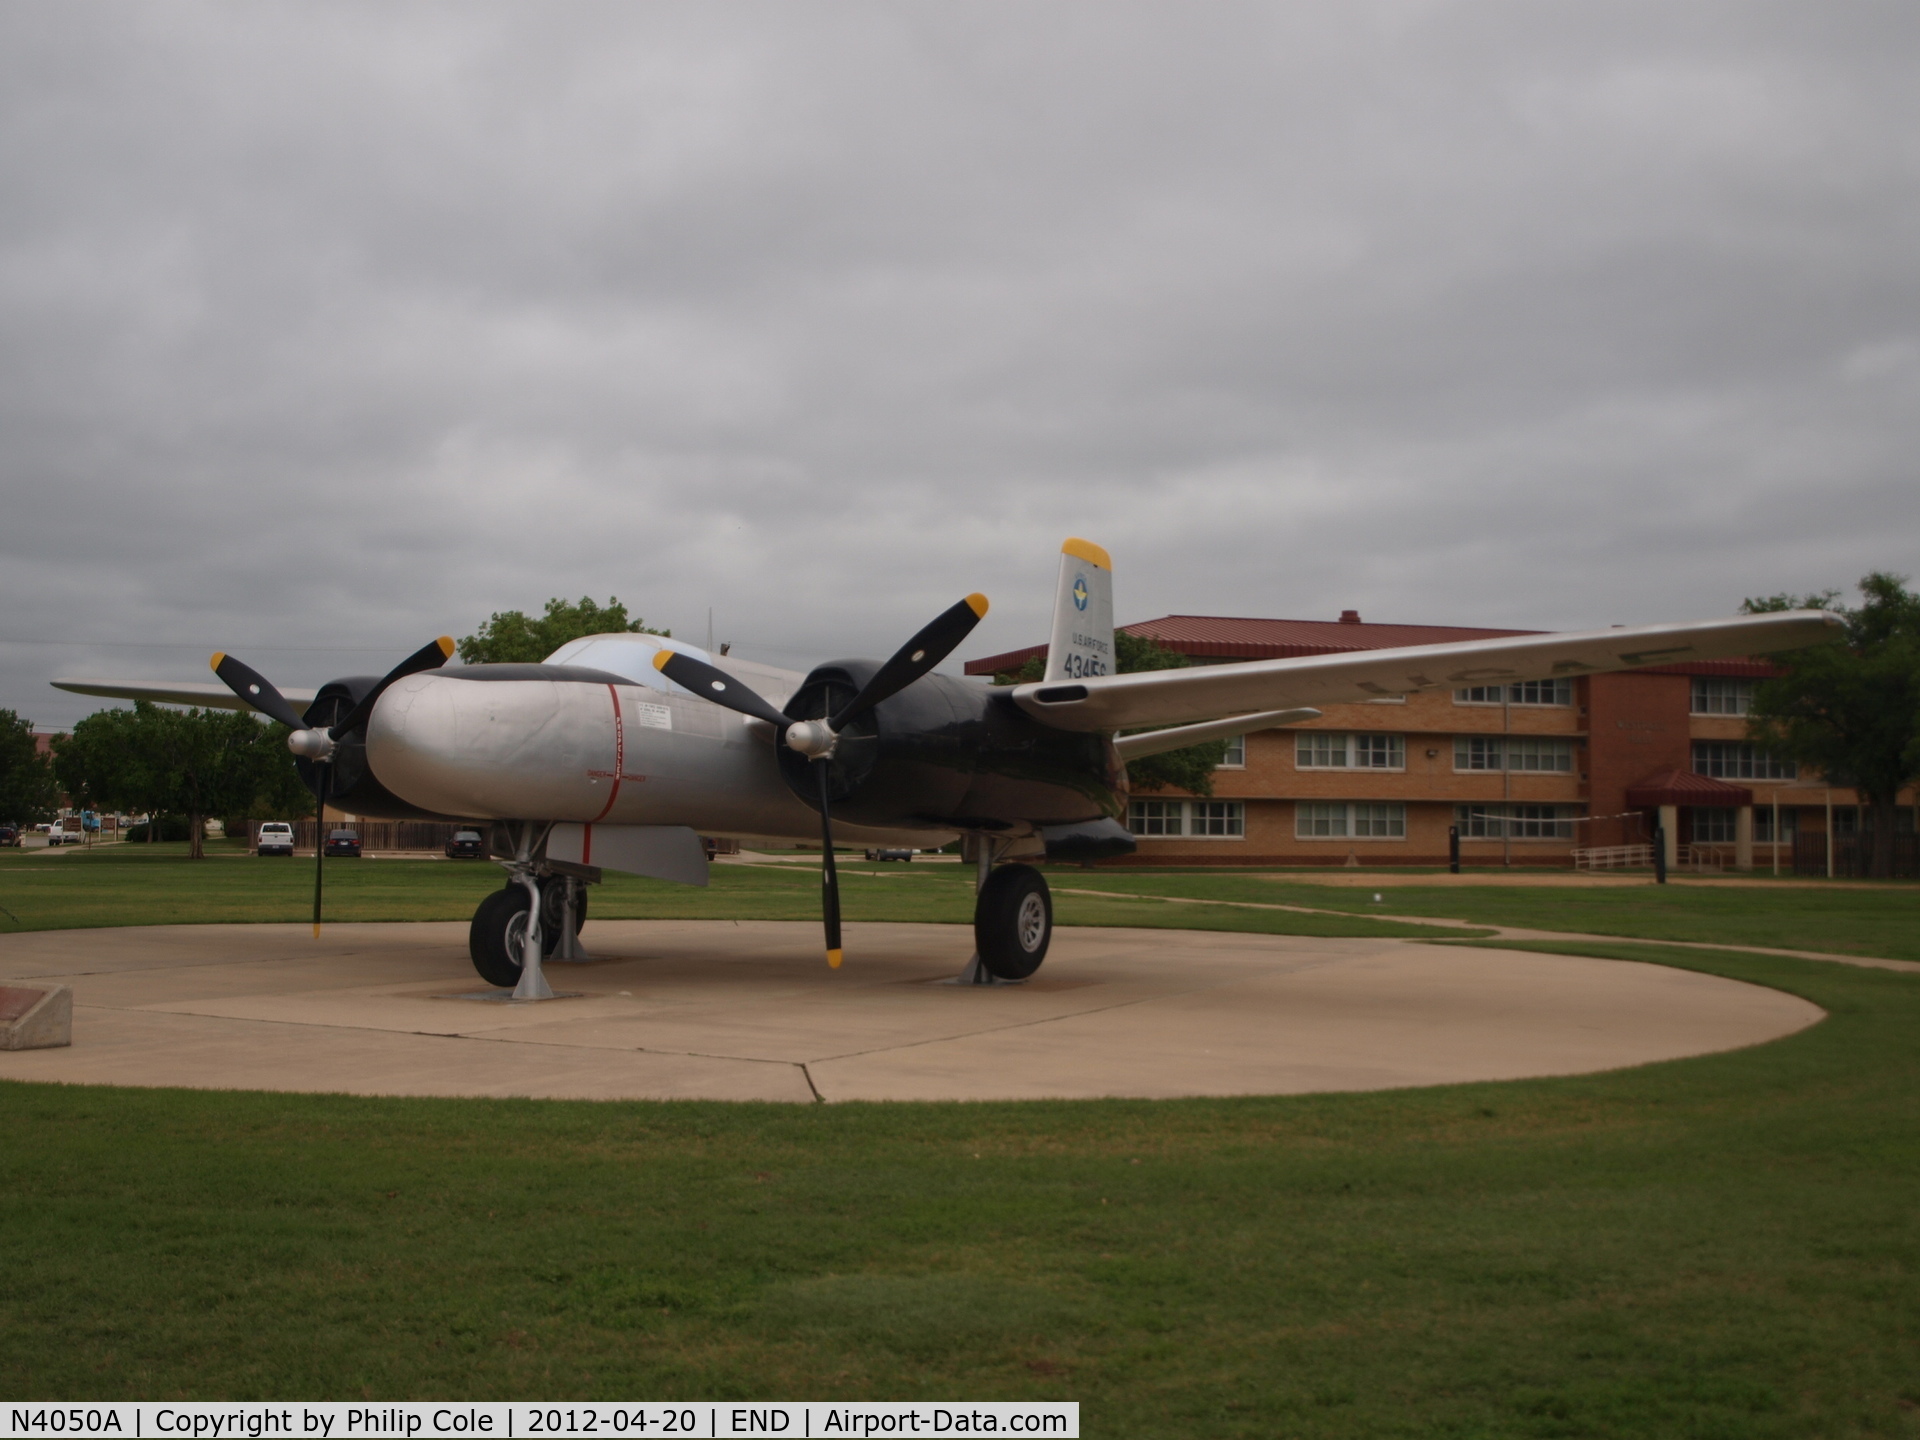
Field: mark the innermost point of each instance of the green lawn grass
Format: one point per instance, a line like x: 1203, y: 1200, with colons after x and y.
x: 1878, y: 920
x: 1722, y: 1246
x: 158, y: 885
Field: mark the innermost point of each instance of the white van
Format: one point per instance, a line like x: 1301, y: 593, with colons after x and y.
x: 276, y: 838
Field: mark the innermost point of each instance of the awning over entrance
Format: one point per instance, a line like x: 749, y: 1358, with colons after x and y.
x: 1683, y: 787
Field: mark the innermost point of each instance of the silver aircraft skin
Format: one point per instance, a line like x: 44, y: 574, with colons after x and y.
x: 647, y: 752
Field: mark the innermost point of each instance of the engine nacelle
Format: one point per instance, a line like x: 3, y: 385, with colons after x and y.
x: 351, y: 786
x: 949, y: 754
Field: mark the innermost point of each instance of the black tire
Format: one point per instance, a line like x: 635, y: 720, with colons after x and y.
x: 1013, y: 922
x: 496, y: 959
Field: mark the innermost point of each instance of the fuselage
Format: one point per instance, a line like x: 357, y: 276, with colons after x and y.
x: 596, y: 734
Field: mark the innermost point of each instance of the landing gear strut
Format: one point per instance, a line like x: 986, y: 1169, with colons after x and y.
x: 1012, y: 922
x: 516, y: 928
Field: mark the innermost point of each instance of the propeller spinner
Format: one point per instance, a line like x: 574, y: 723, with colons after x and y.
x: 816, y: 739
x: 314, y: 743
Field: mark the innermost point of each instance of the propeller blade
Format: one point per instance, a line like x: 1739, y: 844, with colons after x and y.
x: 254, y: 688
x: 321, y: 774
x: 915, y: 658
x: 427, y: 657
x: 711, y: 683
x: 829, y: 877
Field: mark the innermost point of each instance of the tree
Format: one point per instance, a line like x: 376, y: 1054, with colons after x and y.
x: 1851, y: 711
x: 196, y: 763
x: 28, y: 791
x: 510, y: 637
x: 1190, y: 769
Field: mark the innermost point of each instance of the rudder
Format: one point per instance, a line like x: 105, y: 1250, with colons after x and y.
x: 1082, y: 642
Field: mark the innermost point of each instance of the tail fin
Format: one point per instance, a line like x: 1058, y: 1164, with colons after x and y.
x: 1082, y: 642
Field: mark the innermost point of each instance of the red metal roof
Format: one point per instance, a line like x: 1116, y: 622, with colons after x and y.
x: 1683, y: 787
x: 1232, y: 637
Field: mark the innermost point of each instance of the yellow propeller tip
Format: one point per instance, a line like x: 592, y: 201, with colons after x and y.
x: 977, y: 603
x: 661, y: 659
x: 834, y: 957
x: 218, y: 657
x: 316, y: 932
x: 447, y: 647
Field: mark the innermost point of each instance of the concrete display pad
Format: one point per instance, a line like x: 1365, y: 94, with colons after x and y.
x: 675, y: 1009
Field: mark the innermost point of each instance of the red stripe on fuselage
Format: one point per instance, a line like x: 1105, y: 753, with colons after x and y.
x: 619, y: 759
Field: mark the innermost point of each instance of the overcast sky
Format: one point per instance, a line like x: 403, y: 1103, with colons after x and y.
x: 325, y: 329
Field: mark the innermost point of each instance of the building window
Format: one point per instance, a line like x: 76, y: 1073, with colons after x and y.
x: 1216, y: 817
x: 1763, y: 824
x: 1527, y: 692
x: 1721, y: 697
x: 1328, y: 750
x: 1236, y: 757
x: 1737, y: 760
x: 1320, y: 820
x: 1846, y: 821
x: 1516, y: 822
x: 1380, y: 822
x: 1532, y: 753
x: 1313, y: 820
x: 1318, y: 750
x: 1157, y: 817
x: 1712, y: 824
x: 1205, y: 819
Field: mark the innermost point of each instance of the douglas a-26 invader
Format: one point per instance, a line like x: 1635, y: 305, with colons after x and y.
x: 619, y: 751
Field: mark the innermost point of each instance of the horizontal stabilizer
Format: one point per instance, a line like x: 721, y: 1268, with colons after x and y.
x: 1158, y: 742
x: 1205, y: 692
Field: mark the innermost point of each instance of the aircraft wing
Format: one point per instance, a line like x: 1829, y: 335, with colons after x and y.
x: 1205, y: 692
x: 209, y: 694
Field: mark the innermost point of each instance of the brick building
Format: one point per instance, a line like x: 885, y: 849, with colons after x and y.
x: 1529, y: 773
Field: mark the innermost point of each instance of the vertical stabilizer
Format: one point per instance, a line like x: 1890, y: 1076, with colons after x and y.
x: 1082, y: 642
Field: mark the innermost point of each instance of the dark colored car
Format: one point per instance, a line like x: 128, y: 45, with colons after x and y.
x: 892, y: 854
x: 344, y: 842
x: 9, y: 835
x: 466, y: 845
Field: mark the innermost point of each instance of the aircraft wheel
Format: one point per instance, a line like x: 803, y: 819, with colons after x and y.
x: 1013, y: 921
x: 499, y: 931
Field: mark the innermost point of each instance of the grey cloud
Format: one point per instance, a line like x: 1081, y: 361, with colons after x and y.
x: 343, y: 325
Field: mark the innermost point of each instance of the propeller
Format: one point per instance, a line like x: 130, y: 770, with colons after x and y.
x: 816, y: 739
x: 314, y: 743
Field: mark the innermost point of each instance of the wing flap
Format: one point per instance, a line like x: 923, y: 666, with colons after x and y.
x: 1175, y: 697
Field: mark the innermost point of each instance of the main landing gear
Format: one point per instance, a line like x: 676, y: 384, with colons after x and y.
x: 497, y: 939
x: 538, y: 915
x: 1012, y: 922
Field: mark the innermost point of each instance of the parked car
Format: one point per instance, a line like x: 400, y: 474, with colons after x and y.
x: 466, y: 845
x: 276, y: 838
x: 891, y: 854
x: 9, y: 835
x: 344, y: 842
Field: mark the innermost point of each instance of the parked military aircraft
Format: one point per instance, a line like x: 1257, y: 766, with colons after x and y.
x: 618, y: 752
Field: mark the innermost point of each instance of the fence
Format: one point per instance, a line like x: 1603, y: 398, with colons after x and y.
x: 1853, y: 855
x: 1614, y: 857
